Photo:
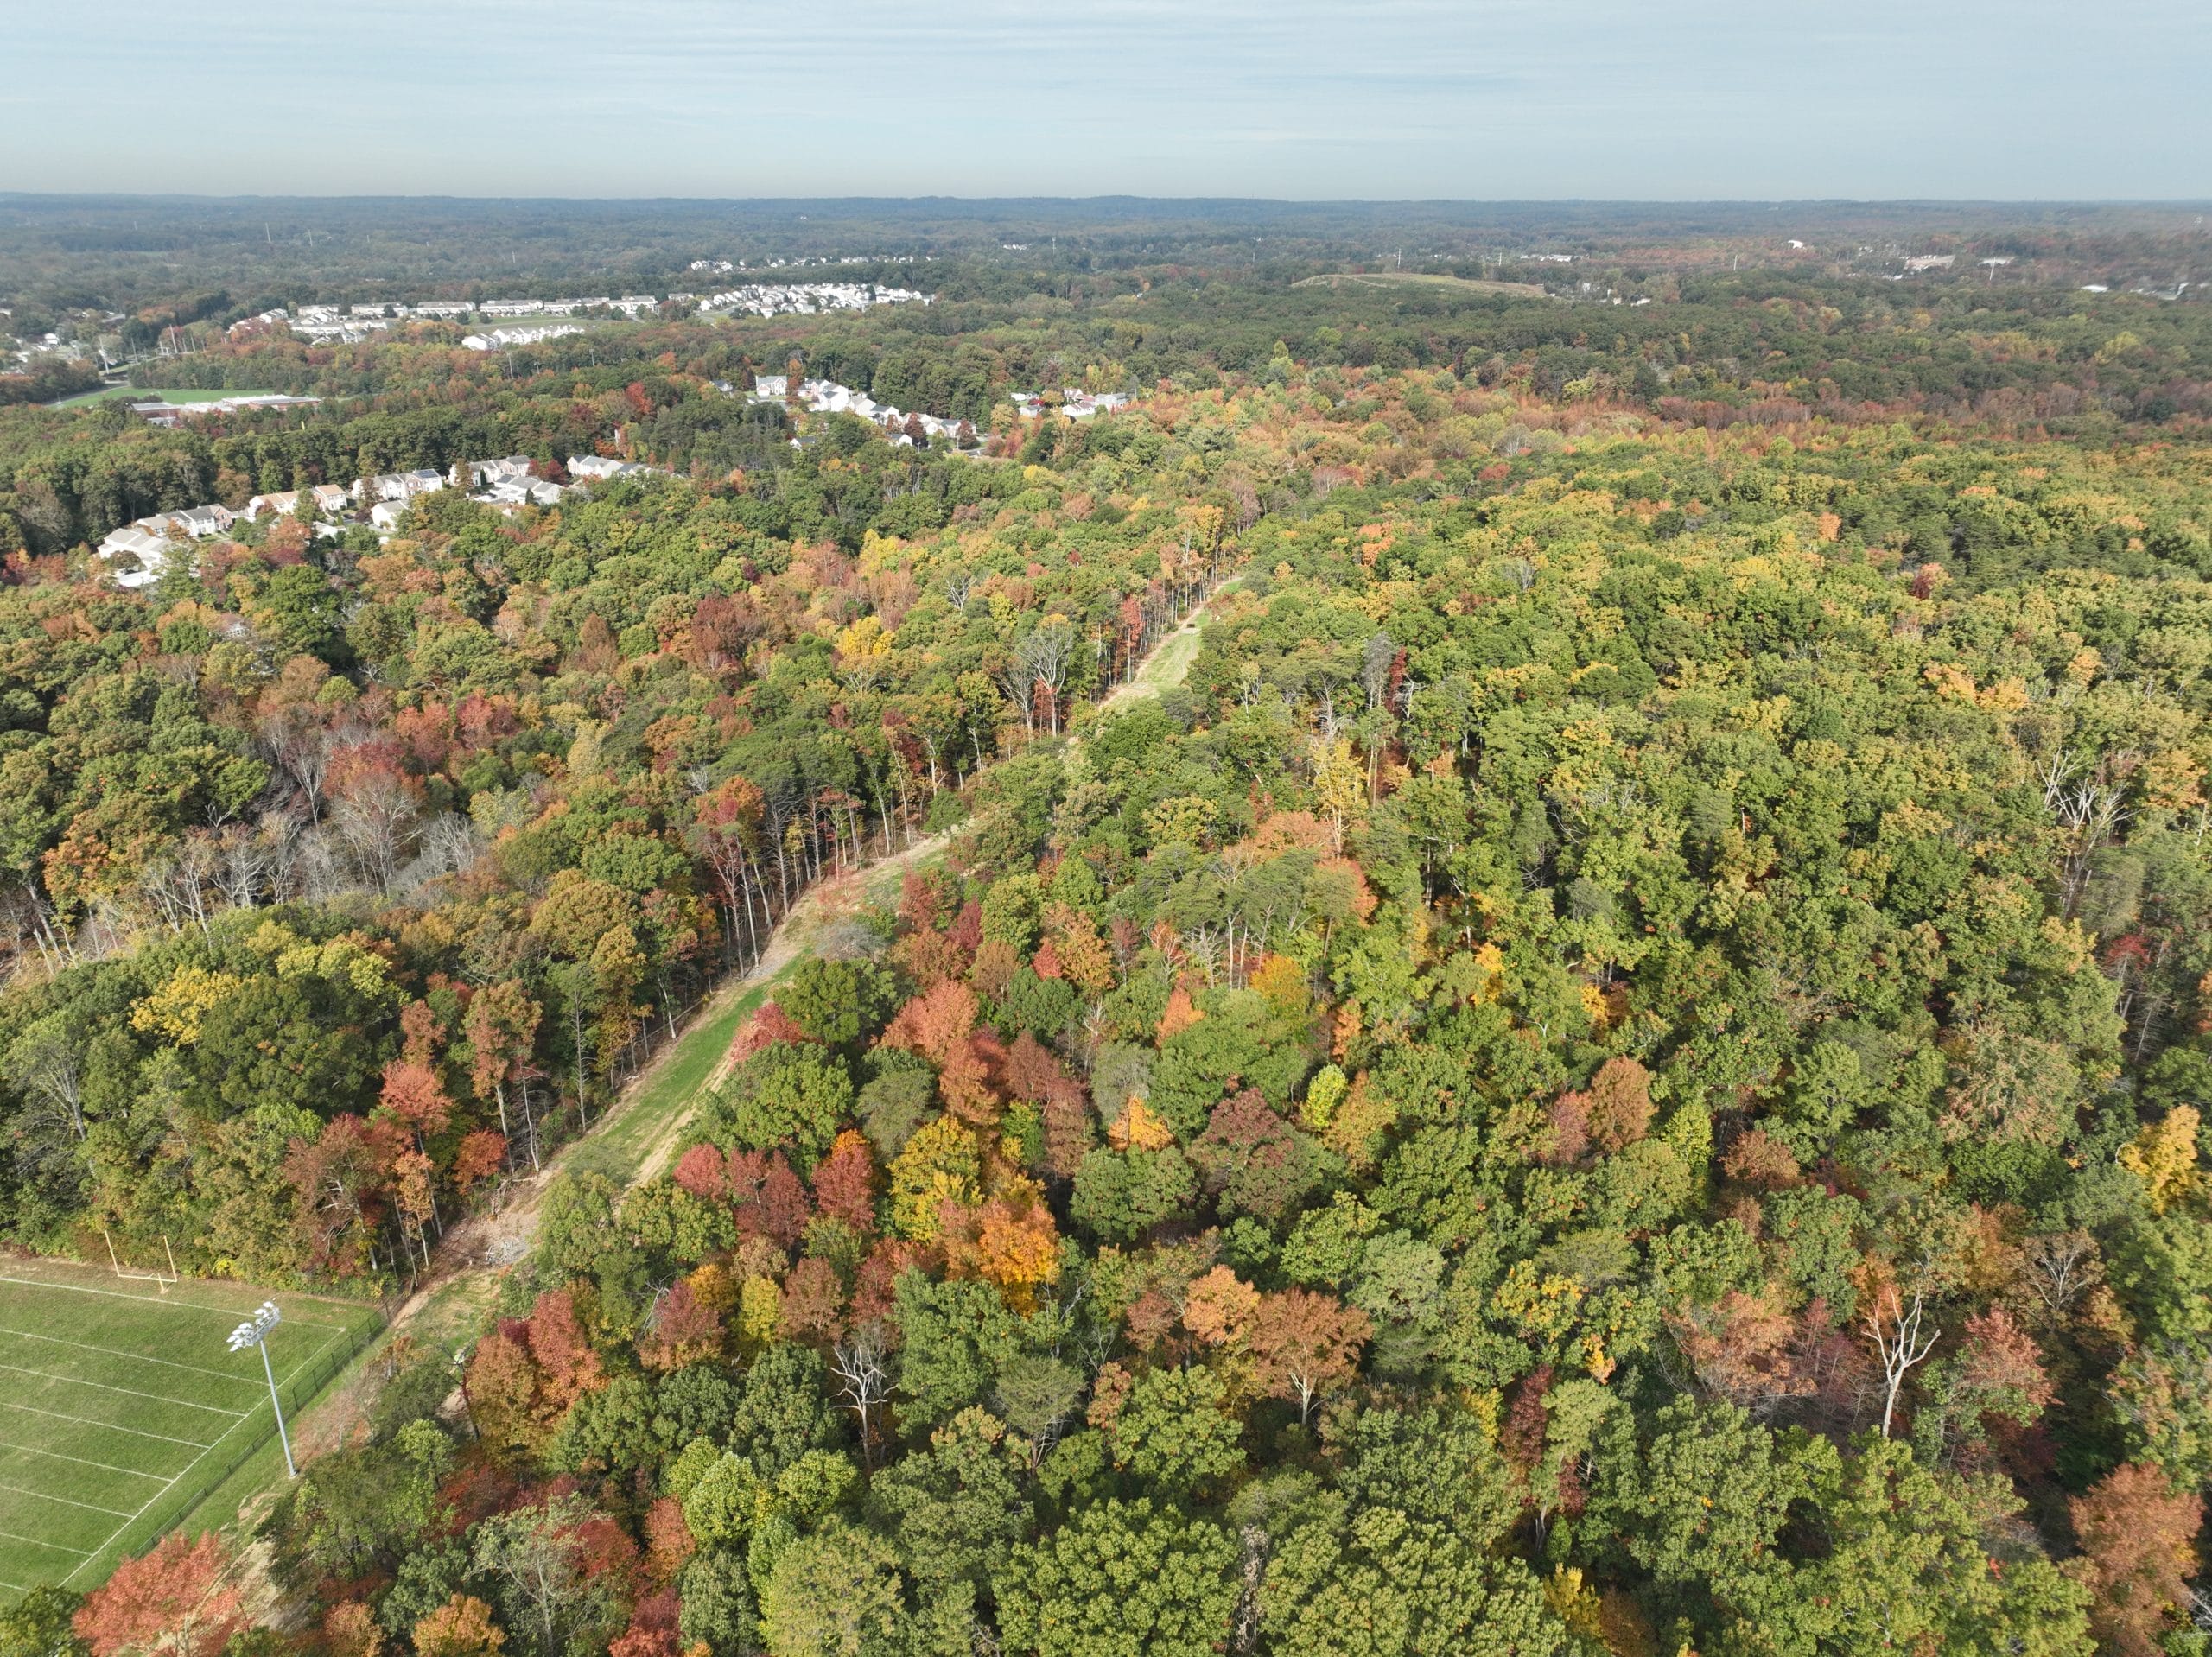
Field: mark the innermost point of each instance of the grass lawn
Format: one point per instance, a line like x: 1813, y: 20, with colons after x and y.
x: 620, y: 1149
x: 124, y: 1410
x: 148, y: 394
x: 1422, y: 279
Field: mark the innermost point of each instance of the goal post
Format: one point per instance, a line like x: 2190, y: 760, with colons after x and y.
x: 156, y: 1277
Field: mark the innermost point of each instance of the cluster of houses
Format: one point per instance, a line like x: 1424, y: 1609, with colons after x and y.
x: 328, y: 324
x: 827, y: 396
x: 1073, y: 404
x: 724, y: 266
x: 499, y: 339
x: 138, y: 554
x: 807, y: 298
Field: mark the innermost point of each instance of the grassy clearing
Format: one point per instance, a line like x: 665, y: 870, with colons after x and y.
x: 147, y: 394
x: 1422, y: 279
x: 620, y: 1148
x: 1169, y: 664
x: 124, y: 1411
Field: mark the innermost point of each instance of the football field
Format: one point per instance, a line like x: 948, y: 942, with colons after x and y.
x: 121, y: 1408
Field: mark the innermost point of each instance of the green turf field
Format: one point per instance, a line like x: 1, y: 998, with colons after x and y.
x: 148, y: 394
x: 121, y: 1407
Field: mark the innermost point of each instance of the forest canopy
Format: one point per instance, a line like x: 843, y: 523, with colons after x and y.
x: 1615, y: 1061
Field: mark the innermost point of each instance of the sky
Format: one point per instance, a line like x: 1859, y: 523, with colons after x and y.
x: 1375, y: 99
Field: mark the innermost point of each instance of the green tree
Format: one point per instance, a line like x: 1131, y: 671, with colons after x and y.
x: 1175, y: 1431
x: 834, y: 1594
x: 1120, y: 1579
x: 1377, y: 1583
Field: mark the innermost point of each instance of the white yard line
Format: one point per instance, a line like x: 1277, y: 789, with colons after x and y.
x: 36, y: 1542
x: 129, y: 1520
x: 55, y: 1455
x: 67, y: 1502
x: 131, y: 1392
x: 153, y: 1300
x: 171, y: 1483
x: 110, y: 1426
x: 118, y: 1352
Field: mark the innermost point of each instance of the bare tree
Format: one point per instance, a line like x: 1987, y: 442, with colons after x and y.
x: 1045, y: 655
x: 47, y: 1063
x: 1895, y: 1330
x: 1375, y: 669
x: 372, y: 821
x: 2062, y: 1265
x: 859, y: 1365
x: 298, y: 745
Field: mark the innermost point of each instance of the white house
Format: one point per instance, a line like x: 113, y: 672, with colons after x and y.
x: 282, y: 504
x: 386, y: 514
x: 512, y: 494
x: 599, y: 466
x: 199, y: 522
x: 135, y: 555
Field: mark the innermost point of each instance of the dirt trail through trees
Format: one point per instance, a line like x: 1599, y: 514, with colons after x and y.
x: 449, y: 1303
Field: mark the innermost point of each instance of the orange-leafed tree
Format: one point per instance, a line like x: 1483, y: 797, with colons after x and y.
x: 503, y: 1392
x: 462, y: 1627
x: 1306, y: 1344
x: 567, y: 1366
x: 175, y: 1601
x: 2138, y: 1536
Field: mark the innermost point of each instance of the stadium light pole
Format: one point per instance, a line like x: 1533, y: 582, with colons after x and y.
x: 255, y: 1332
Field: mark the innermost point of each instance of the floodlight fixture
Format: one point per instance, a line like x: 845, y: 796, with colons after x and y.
x: 254, y: 1332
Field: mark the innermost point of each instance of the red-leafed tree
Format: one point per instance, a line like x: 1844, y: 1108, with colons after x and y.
x: 814, y: 1303
x: 668, y: 1540
x: 501, y: 1026
x: 772, y: 1202
x: 844, y: 1183
x: 175, y: 1601
x: 339, y: 1182
x: 567, y: 1366
x: 1031, y: 1069
x: 480, y: 1154
x: 1306, y: 1344
x: 685, y: 1330
x: 1068, y: 1136
x: 702, y: 1172
x: 726, y: 835
x: 413, y: 1094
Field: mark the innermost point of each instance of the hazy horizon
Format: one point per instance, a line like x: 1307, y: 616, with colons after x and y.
x: 1415, y: 101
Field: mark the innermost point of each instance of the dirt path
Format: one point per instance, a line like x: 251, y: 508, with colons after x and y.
x: 1170, y: 660
x: 830, y: 901
x: 635, y: 1139
x: 486, y: 1244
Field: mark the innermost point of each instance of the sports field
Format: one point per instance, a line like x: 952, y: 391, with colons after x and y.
x: 122, y: 1408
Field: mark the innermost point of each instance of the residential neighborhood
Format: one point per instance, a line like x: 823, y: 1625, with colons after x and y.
x: 350, y: 324
x: 827, y: 396
x: 159, y: 411
x: 497, y: 338
x: 1072, y: 404
x: 140, y: 553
